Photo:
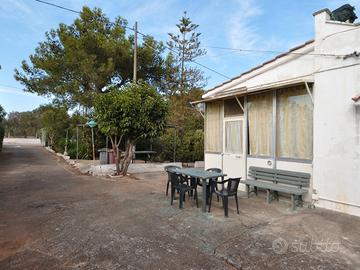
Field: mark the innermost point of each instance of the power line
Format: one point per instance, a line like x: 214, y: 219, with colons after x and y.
x: 58, y: 6
x: 78, y: 12
x: 193, y: 61
x: 271, y: 51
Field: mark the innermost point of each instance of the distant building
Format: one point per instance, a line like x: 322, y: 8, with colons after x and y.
x: 299, y: 112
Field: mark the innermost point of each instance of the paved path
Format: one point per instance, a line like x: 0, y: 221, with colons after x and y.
x: 53, y: 218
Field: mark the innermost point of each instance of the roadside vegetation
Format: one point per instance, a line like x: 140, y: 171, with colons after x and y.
x: 2, y: 128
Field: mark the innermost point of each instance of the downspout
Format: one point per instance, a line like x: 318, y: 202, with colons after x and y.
x: 246, y: 134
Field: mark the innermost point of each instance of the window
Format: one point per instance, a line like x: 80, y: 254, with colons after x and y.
x: 234, y: 136
x: 260, y: 115
x: 294, y: 123
x: 232, y: 108
x: 213, y: 127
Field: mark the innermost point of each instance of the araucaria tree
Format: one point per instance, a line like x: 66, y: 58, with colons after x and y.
x: 78, y: 61
x: 133, y: 112
x: 183, y: 83
x: 185, y: 47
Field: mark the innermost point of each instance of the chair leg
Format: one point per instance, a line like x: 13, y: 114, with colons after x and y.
x: 237, y: 204
x: 172, y: 195
x: 225, y: 202
x: 182, y: 195
x: 167, y: 188
x: 196, y: 198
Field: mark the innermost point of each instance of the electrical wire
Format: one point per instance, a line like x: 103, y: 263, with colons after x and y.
x: 58, y: 6
x: 213, y: 47
x: 271, y: 51
x: 167, y: 47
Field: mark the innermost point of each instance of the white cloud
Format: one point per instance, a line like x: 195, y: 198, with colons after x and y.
x: 241, y: 33
x: 15, y: 91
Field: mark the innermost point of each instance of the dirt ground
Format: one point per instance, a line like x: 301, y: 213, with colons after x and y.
x: 53, y: 218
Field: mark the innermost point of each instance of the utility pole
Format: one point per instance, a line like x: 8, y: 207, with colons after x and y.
x: 135, y: 52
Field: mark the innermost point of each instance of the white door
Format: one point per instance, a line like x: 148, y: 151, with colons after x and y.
x: 234, y: 147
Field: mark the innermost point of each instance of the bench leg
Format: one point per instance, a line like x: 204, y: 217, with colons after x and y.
x: 248, y: 191
x: 292, y: 202
x: 268, y: 196
x: 256, y: 191
x: 300, y: 201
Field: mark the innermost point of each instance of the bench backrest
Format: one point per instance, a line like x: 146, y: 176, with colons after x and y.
x: 280, y: 176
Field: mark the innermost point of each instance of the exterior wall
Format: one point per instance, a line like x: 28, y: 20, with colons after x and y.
x: 335, y: 168
x: 336, y: 118
x: 213, y: 160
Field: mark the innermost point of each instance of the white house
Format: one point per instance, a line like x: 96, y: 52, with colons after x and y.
x: 295, y: 112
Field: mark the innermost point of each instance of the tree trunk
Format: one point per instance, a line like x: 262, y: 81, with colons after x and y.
x: 115, y: 142
x: 128, y: 156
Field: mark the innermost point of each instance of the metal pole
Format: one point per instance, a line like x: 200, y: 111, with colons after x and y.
x: 93, y: 145
x: 77, y: 143
x: 66, y: 143
x: 135, y: 53
x: 107, y: 146
x: 174, y: 157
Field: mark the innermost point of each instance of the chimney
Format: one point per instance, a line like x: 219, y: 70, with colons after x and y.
x: 321, y: 17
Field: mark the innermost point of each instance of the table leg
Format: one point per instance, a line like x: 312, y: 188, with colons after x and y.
x: 204, y: 195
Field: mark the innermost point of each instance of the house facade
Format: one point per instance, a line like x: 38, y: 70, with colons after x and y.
x: 295, y: 112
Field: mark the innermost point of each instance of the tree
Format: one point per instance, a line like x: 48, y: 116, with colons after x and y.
x: 23, y: 124
x: 136, y: 111
x: 2, y: 114
x: 183, y: 83
x: 55, y: 120
x: 2, y: 129
x: 186, y: 45
x: 77, y: 61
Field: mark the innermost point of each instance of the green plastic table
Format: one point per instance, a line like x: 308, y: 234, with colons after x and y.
x: 204, y: 176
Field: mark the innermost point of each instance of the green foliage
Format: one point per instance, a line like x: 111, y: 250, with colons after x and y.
x: 23, y: 124
x: 136, y: 111
x: 55, y: 121
x: 77, y: 61
x: 183, y: 84
x: 2, y: 129
x: 186, y: 45
x: 2, y: 114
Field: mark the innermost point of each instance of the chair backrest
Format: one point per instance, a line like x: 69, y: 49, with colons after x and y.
x: 171, y: 167
x: 233, y: 185
x: 175, y: 178
x: 291, y: 178
x: 217, y: 170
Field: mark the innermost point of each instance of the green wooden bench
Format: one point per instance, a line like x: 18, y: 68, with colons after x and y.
x: 276, y: 181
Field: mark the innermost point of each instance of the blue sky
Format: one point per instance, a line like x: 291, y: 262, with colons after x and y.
x: 246, y: 24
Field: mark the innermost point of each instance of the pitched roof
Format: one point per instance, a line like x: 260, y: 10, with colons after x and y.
x: 263, y: 64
